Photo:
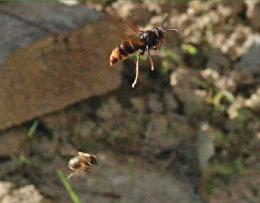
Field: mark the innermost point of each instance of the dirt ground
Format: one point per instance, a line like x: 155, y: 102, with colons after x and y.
x: 187, y: 133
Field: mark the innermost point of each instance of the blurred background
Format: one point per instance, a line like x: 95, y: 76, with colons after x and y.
x: 189, y: 131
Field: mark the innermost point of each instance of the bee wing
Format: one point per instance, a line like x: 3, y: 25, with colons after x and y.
x: 93, y: 159
x: 87, y: 169
x: 84, y: 154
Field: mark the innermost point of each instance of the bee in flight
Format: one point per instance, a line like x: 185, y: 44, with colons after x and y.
x: 147, y: 39
x: 83, y: 161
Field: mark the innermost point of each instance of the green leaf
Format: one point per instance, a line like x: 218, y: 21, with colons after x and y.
x: 228, y: 95
x: 190, y: 49
x: 224, y: 170
x: 239, y: 165
x: 171, y: 54
x: 75, y: 198
x: 33, y: 129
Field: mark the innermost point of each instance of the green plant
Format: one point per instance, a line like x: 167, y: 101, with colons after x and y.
x: 234, y: 167
x: 73, y: 195
x: 24, y: 159
x: 32, y: 129
x: 189, y: 49
x: 216, y: 98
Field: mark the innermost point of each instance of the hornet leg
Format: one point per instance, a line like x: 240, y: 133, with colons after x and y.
x: 150, y: 58
x: 136, y: 71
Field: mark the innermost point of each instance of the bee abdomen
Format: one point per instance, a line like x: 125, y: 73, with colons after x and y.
x: 74, y: 163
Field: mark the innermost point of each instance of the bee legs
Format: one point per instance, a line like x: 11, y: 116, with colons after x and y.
x: 73, y: 173
x: 136, y: 70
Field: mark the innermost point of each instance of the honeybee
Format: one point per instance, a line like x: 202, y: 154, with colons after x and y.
x: 83, y: 161
x: 147, y: 39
